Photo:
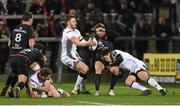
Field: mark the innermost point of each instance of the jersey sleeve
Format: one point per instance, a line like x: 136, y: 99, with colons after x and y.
x: 75, y: 33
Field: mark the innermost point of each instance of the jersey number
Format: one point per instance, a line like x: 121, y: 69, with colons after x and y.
x: 18, y: 37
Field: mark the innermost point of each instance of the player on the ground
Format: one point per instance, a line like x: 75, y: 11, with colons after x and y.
x: 69, y: 55
x: 40, y: 85
x: 22, y: 37
x: 22, y: 62
x: 137, y: 70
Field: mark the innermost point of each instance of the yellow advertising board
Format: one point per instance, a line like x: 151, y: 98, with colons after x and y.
x: 163, y: 64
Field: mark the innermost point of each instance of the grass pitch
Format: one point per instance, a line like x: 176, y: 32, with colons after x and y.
x: 124, y: 96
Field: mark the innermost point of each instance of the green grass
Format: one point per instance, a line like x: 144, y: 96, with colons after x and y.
x: 124, y: 96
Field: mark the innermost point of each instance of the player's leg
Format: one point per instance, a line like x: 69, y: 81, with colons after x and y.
x: 99, y: 67
x: 22, y: 79
x: 131, y: 81
x: 115, y: 75
x: 7, y: 83
x: 82, y: 68
x: 13, y: 83
x: 143, y: 75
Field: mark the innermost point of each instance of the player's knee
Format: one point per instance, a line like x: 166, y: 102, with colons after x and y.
x: 115, y: 70
x: 142, y: 75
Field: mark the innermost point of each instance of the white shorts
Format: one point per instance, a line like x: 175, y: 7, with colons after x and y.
x: 140, y: 65
x: 71, y: 60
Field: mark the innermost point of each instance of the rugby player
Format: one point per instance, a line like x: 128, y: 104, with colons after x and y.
x: 137, y: 70
x: 99, y: 65
x: 40, y: 85
x: 69, y: 55
x: 22, y: 62
x: 22, y: 37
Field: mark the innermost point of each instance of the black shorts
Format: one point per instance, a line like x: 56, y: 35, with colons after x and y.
x: 19, y: 65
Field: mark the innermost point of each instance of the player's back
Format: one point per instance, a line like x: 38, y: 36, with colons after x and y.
x: 20, y: 38
x: 33, y: 54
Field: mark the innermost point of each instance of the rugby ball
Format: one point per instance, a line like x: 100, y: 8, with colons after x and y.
x: 93, y: 48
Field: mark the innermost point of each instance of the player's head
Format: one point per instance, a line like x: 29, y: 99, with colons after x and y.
x: 40, y: 47
x: 105, y: 54
x: 45, y: 73
x: 71, y: 21
x: 27, y: 18
x: 104, y: 51
x: 100, y: 30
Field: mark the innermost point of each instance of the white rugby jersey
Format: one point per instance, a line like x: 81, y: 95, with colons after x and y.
x: 68, y: 48
x: 34, y: 81
x: 129, y: 62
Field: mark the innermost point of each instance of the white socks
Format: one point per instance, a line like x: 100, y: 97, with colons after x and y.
x: 83, y: 85
x: 154, y: 84
x: 78, y: 82
x: 138, y: 86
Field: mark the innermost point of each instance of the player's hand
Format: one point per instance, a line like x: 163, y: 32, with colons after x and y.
x: 91, y: 43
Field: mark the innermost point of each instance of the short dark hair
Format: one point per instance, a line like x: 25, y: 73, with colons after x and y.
x: 69, y: 16
x: 99, y: 25
x: 26, y: 16
x: 104, y: 51
x: 45, y: 71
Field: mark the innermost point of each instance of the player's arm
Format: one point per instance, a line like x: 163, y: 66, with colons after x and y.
x: 77, y: 42
x: 44, y: 88
x: 31, y: 42
x: 9, y: 42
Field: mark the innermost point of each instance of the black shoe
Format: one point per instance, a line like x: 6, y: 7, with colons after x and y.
x: 146, y: 92
x: 85, y: 92
x: 163, y: 92
x: 17, y: 92
x: 4, y: 90
x: 11, y: 93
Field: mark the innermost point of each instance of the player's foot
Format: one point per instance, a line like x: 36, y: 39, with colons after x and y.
x: 85, y: 92
x: 17, y: 92
x: 11, y: 93
x: 97, y: 93
x: 4, y: 90
x: 146, y: 92
x: 75, y: 92
x: 111, y: 93
x: 163, y: 92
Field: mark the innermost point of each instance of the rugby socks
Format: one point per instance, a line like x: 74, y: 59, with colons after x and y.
x: 9, y: 79
x: 21, y: 85
x: 114, y: 79
x: 79, y: 81
x: 154, y: 84
x: 13, y: 82
x: 138, y: 86
x: 97, y: 81
x: 83, y: 85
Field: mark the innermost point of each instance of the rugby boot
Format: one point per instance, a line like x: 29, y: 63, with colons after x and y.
x: 4, y: 90
x: 146, y: 92
x: 97, y: 93
x: 111, y: 93
x: 163, y: 92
